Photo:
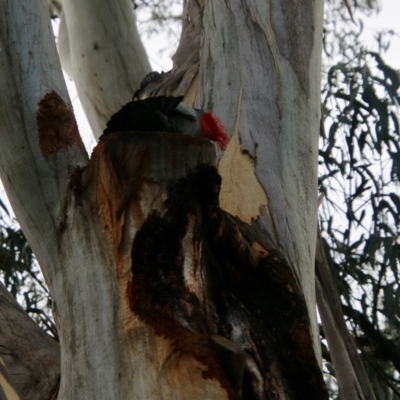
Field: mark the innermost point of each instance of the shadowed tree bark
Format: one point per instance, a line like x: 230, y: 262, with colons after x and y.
x: 30, y: 359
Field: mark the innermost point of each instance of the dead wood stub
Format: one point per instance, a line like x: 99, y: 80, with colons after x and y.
x: 186, y: 59
x: 57, y: 127
x: 247, y: 293
x: 254, y: 293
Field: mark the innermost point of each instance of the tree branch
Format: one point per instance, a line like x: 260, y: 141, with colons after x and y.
x: 335, y: 329
x: 381, y: 347
x: 30, y: 356
x: 103, y: 53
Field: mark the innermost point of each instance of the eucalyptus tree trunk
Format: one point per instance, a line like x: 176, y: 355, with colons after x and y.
x: 266, y: 89
x: 167, y: 281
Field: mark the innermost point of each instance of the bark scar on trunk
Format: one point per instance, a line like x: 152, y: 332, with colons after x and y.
x: 56, y: 124
x: 158, y: 293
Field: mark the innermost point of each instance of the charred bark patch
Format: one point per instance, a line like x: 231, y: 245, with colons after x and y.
x: 56, y: 123
x: 157, y: 292
x: 254, y: 293
x: 262, y: 297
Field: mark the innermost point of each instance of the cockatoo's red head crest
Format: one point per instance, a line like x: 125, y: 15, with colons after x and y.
x: 212, y: 129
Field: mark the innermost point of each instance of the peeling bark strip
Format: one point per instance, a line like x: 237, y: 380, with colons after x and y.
x: 56, y: 125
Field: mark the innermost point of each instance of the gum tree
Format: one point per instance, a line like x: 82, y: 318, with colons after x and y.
x: 175, y: 271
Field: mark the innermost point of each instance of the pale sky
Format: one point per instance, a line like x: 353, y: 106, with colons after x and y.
x: 388, y: 18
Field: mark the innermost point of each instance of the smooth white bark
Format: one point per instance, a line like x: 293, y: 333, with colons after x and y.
x: 30, y: 69
x: 40, y: 145
x: 260, y: 72
x: 101, y: 50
